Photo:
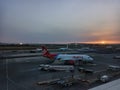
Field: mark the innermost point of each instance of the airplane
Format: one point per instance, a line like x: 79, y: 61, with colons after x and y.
x: 65, y: 48
x: 71, y: 59
x: 86, y: 50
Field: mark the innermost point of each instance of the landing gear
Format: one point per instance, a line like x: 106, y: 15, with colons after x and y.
x: 69, y: 62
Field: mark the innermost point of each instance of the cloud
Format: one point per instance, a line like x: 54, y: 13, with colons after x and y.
x: 59, y: 21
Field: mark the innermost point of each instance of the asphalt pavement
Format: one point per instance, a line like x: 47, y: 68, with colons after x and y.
x: 23, y: 73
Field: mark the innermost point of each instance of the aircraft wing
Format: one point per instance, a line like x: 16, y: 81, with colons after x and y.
x: 68, y: 58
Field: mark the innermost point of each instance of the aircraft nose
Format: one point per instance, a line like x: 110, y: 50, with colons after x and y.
x: 91, y: 59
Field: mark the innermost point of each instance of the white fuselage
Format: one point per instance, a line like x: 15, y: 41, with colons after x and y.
x: 74, y: 57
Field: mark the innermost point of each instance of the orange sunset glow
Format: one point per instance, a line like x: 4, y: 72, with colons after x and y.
x: 103, y: 42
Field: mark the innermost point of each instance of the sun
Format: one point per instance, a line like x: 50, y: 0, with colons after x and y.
x: 102, y: 42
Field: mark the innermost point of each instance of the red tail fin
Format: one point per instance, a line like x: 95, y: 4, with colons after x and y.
x: 45, y: 53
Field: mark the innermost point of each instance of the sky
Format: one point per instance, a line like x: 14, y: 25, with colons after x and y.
x: 59, y: 21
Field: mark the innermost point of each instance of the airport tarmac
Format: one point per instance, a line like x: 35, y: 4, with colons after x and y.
x: 23, y: 74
